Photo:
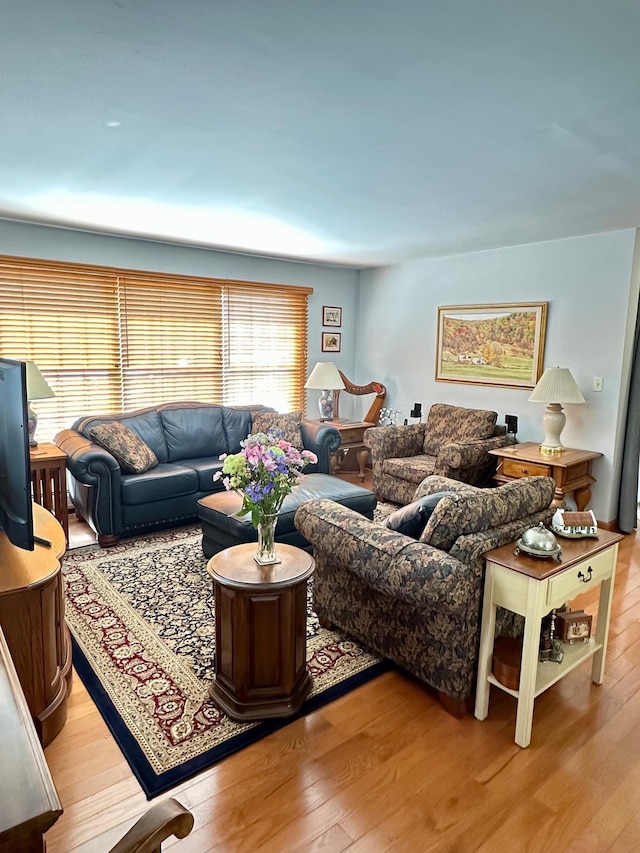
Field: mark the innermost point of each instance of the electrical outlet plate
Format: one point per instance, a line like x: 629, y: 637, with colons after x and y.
x: 598, y: 382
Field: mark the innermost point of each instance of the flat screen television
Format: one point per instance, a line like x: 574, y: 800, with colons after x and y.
x: 16, y: 509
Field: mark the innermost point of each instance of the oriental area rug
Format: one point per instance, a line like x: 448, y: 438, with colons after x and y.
x: 141, y: 618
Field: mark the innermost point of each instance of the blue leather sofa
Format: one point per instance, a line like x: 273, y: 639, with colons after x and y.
x: 188, y: 439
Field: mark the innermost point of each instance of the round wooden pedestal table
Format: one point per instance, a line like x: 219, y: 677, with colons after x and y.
x: 261, y: 632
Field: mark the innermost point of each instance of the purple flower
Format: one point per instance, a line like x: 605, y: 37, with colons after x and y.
x: 263, y: 472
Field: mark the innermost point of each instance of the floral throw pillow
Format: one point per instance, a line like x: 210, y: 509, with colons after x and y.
x: 129, y: 450
x: 286, y: 426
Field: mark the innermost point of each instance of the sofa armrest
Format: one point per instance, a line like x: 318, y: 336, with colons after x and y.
x: 94, y: 478
x: 470, y: 461
x: 469, y: 454
x: 389, y: 562
x: 323, y: 440
x: 86, y: 460
x: 471, y: 547
x: 394, y: 441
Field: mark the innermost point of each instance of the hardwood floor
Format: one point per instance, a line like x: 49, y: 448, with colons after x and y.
x: 386, y: 769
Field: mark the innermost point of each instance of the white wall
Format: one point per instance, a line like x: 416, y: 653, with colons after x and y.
x: 586, y: 281
x: 331, y: 285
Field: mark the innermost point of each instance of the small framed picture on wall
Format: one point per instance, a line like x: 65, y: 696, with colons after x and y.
x: 331, y: 316
x: 331, y: 341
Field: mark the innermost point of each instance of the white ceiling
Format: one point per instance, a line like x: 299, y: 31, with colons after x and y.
x: 360, y: 132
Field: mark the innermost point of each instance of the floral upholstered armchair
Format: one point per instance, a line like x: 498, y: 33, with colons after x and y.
x: 454, y: 442
x: 418, y: 602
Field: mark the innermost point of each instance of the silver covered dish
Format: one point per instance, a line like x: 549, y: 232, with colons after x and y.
x: 539, y: 542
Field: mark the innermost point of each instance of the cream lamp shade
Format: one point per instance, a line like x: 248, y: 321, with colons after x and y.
x: 37, y: 389
x: 325, y: 377
x: 555, y: 386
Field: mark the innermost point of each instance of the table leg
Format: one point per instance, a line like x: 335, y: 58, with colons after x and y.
x: 486, y: 647
x: 582, y: 497
x: 602, y: 630
x: 362, y: 456
x: 529, y: 667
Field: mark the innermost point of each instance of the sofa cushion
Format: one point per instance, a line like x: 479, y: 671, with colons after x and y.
x: 237, y: 426
x: 461, y: 514
x: 412, y: 519
x: 195, y: 431
x: 167, y: 480
x: 148, y: 426
x: 411, y: 468
x: 447, y: 423
x: 130, y: 452
x: 205, y: 467
x: 286, y: 426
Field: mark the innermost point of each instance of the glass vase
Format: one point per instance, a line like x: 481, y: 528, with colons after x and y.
x: 266, y: 553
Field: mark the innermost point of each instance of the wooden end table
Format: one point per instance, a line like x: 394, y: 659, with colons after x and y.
x: 351, y: 438
x: 571, y: 469
x: 533, y: 587
x: 261, y: 632
x: 49, y: 481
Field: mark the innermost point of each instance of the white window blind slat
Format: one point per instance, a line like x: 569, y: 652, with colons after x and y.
x: 111, y: 340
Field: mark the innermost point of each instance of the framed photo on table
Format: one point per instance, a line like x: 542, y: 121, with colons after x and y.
x: 331, y: 316
x: 491, y: 344
x: 331, y: 341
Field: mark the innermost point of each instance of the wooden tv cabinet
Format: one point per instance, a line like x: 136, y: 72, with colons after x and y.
x: 32, y: 620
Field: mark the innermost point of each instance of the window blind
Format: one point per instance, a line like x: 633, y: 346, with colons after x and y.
x: 171, y: 340
x: 66, y: 320
x: 112, y: 340
x: 265, y: 346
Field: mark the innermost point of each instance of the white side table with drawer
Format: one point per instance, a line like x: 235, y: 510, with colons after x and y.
x: 533, y: 587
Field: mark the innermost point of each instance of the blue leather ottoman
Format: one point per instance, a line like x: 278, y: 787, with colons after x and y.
x: 221, y: 528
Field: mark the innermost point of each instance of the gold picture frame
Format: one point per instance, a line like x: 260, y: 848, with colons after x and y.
x: 501, y: 344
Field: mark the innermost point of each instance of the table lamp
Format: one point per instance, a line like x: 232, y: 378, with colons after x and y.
x: 37, y: 389
x: 325, y: 378
x: 555, y: 386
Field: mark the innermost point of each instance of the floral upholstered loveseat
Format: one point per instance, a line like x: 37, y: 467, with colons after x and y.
x: 418, y: 602
x: 454, y: 442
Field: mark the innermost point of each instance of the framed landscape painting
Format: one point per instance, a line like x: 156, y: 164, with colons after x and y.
x: 491, y: 344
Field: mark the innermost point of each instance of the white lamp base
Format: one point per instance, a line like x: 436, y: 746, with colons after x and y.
x: 553, y: 421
